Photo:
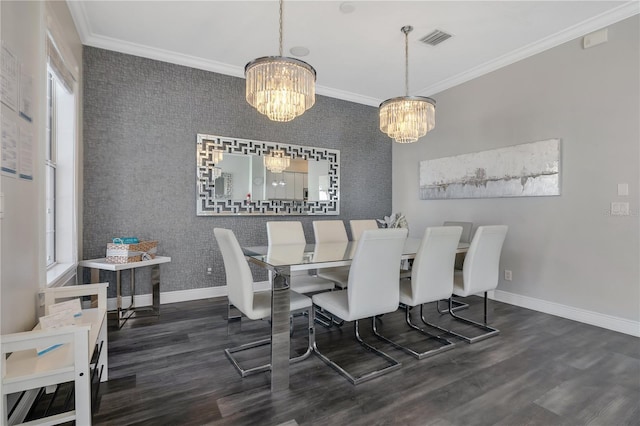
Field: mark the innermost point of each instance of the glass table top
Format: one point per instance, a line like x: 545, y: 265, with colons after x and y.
x: 336, y: 254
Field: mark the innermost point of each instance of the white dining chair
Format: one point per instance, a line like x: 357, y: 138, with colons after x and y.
x: 479, y: 274
x: 291, y: 233
x: 467, y: 227
x: 285, y: 232
x: 329, y: 231
x: 465, y: 237
x: 332, y: 231
x: 431, y: 280
x: 254, y: 305
x: 358, y: 226
x: 372, y: 290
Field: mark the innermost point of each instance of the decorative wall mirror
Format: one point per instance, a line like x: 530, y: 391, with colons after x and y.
x: 244, y: 177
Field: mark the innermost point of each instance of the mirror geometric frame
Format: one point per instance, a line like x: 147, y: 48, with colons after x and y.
x: 208, y: 205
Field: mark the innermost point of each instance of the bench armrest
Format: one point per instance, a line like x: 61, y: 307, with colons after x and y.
x: 100, y: 290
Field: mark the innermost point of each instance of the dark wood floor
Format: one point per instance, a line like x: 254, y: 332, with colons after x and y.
x: 541, y: 370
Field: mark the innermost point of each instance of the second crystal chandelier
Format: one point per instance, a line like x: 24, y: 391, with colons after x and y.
x: 407, y: 118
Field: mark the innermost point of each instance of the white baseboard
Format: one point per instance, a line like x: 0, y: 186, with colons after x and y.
x: 609, y: 322
x: 182, y: 295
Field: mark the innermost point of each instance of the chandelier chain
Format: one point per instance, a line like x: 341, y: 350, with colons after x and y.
x: 406, y: 30
x: 406, y: 62
x: 281, y: 1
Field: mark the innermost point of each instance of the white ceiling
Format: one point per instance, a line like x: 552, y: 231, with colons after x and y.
x: 358, y: 56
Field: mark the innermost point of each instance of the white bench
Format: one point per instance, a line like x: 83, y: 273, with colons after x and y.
x: 23, y: 369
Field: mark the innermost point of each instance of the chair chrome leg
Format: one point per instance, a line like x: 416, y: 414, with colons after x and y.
x: 244, y: 372
x: 485, y: 308
x: 445, y: 344
x: 310, y: 338
x: 490, y: 330
x: 458, y: 306
x: 324, y: 319
x: 394, y: 364
x: 233, y: 315
x: 327, y: 320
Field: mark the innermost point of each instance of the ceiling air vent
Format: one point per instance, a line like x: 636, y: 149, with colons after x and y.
x: 435, y: 38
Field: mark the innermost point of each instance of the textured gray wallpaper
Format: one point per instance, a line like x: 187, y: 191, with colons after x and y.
x: 141, y: 118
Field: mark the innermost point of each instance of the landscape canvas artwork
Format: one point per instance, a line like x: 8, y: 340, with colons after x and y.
x: 526, y: 170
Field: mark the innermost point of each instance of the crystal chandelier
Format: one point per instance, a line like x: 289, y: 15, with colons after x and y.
x: 407, y: 118
x: 279, y: 87
x: 276, y: 162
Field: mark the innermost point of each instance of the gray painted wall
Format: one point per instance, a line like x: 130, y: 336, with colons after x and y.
x: 568, y: 249
x: 141, y: 118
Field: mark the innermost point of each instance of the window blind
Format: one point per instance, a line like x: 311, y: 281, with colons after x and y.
x: 57, y: 64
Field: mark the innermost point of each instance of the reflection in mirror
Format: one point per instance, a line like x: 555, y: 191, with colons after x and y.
x: 224, y: 186
x: 329, y: 252
x: 309, y: 183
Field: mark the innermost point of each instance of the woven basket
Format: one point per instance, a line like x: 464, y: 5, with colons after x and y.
x: 126, y: 253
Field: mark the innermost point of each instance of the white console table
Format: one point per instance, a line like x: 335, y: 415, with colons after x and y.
x: 131, y: 311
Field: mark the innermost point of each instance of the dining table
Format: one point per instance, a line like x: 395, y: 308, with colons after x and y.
x: 284, y: 259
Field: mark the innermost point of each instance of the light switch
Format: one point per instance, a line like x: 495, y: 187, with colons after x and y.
x: 623, y: 189
x: 619, y: 209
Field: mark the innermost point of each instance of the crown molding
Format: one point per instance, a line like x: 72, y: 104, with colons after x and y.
x: 347, y: 96
x: 208, y: 65
x: 610, y: 17
x: 163, y: 55
x: 79, y: 16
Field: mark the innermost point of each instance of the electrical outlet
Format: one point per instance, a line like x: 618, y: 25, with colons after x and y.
x: 508, y: 275
x: 209, y: 271
x: 619, y: 208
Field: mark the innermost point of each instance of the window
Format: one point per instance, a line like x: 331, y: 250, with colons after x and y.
x: 50, y: 175
x: 60, y: 170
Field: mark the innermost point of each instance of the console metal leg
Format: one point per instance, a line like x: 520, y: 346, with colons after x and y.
x: 132, y: 288
x: 155, y: 286
x: 131, y: 311
x: 95, y: 278
x: 119, y: 297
